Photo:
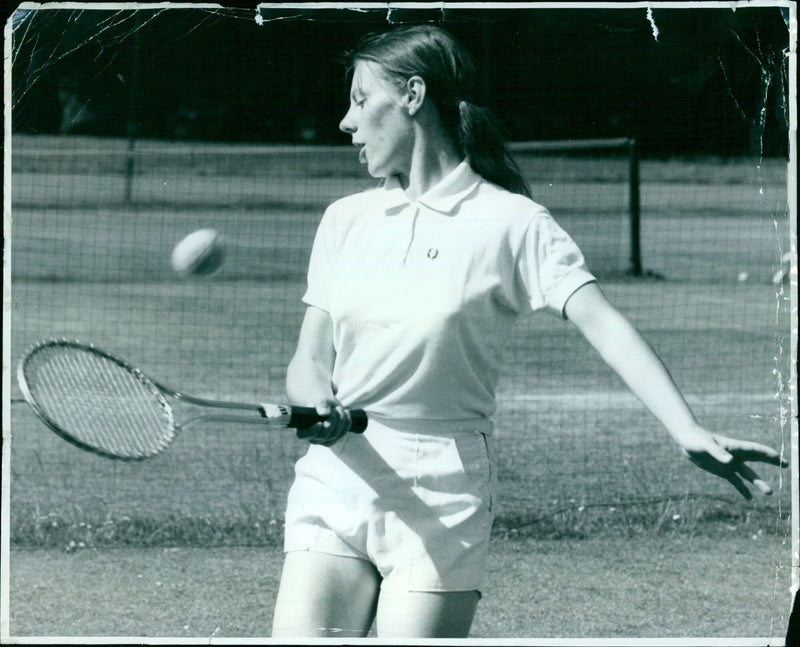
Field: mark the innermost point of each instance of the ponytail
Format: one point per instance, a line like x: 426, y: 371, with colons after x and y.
x: 483, y: 144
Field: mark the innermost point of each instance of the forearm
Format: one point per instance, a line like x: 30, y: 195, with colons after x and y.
x: 625, y: 350
x: 309, y: 374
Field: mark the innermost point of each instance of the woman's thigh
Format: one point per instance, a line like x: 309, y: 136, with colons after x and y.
x: 417, y: 614
x: 325, y: 595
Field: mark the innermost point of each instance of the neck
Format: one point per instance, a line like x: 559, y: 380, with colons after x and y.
x: 433, y: 158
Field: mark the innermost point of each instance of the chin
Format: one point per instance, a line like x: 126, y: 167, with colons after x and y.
x: 376, y: 172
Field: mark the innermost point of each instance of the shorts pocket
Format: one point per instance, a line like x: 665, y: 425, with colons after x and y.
x: 457, y: 465
x: 475, y: 455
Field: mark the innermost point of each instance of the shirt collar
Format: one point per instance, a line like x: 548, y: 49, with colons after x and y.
x: 443, y: 197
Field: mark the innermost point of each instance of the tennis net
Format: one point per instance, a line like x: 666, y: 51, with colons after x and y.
x: 94, y: 221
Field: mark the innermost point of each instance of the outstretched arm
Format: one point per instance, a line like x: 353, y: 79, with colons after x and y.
x: 624, y: 349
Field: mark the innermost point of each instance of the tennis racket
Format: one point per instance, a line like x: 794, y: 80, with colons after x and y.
x: 105, y: 405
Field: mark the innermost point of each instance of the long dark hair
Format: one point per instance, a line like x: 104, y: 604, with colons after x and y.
x: 449, y: 73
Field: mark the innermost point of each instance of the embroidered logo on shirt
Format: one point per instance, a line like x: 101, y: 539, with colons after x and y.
x: 433, y: 253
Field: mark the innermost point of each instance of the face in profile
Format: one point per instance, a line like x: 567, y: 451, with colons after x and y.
x: 378, y: 122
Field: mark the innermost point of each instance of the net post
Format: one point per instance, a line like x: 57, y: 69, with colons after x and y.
x: 131, y: 123
x: 635, y: 207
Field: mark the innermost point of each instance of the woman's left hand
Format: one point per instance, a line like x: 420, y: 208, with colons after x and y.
x: 728, y: 457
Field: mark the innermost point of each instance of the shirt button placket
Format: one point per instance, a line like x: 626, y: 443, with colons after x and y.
x: 412, y: 227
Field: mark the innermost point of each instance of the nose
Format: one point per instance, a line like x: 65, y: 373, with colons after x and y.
x: 347, y: 124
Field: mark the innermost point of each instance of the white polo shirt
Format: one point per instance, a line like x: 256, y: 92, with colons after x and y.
x: 423, y: 293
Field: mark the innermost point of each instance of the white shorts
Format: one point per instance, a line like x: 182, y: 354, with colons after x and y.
x: 416, y: 505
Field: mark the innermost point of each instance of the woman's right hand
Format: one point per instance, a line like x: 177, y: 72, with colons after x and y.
x: 308, y: 379
x: 336, y: 424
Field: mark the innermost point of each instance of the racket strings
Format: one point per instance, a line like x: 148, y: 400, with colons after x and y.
x: 99, y: 402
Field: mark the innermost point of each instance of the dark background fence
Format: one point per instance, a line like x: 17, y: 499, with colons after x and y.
x: 680, y: 80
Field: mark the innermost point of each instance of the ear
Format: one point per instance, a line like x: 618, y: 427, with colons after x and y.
x: 415, y: 94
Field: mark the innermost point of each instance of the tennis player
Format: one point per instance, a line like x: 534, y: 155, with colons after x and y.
x: 412, y: 289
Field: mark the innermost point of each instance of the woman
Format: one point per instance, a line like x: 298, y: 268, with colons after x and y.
x: 412, y: 289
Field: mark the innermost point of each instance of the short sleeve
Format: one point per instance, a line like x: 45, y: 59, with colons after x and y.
x: 320, y: 265
x: 550, y: 266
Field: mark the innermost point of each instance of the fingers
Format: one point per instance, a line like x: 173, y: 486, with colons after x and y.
x: 735, y: 480
x: 726, y: 457
x: 336, y: 424
x: 733, y: 472
x: 749, y: 475
x: 745, y: 450
x: 740, y: 474
x: 718, y: 452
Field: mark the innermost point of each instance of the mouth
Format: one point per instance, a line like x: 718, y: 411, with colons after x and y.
x: 362, y: 152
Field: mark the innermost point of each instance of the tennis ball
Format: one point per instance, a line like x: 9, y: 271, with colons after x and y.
x: 199, y: 254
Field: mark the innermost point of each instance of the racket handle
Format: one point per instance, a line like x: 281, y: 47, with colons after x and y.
x: 358, y: 420
x: 303, y: 417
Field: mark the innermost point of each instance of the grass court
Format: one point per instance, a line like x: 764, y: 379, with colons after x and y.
x: 603, y: 529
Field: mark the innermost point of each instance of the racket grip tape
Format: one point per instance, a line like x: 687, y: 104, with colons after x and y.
x: 303, y: 417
